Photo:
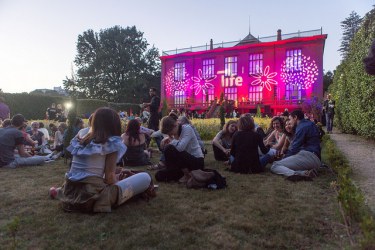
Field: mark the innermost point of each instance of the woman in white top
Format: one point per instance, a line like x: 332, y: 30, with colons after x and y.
x: 181, y: 149
x: 277, y: 137
x: 59, y: 135
x: 91, y: 185
x: 45, y: 132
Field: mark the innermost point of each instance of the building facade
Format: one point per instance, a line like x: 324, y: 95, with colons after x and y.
x: 272, y: 73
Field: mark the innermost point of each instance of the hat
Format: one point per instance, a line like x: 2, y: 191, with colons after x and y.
x: 18, y: 120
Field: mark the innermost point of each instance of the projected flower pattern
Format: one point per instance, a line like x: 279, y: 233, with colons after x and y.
x: 200, y: 83
x: 304, y: 78
x: 264, y: 79
x: 171, y: 85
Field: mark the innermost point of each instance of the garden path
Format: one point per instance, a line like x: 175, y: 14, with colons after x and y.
x: 361, y: 155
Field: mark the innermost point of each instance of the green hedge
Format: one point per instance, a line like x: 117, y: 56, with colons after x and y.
x: 349, y: 195
x: 134, y: 108
x: 30, y: 105
x: 34, y: 106
x: 85, y: 107
x: 352, y: 88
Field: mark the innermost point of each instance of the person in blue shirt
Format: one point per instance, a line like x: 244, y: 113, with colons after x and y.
x: 303, y: 156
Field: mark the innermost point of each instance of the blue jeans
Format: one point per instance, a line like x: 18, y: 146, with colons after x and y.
x: 329, y: 122
x: 26, y: 161
x: 264, y: 159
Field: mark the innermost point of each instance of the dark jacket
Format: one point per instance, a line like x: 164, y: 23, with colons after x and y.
x: 306, y: 138
x: 245, y: 151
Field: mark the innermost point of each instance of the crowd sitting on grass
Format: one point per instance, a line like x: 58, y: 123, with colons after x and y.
x: 292, y: 147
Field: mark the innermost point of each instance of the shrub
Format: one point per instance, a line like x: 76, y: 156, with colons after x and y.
x: 349, y: 195
x: 30, y: 105
x: 208, y: 128
x: 353, y: 89
x: 85, y: 107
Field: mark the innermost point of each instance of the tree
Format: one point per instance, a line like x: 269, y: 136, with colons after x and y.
x: 349, y: 26
x: 327, y: 80
x: 115, y: 65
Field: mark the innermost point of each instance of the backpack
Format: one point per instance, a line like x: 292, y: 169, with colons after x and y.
x: 217, y: 180
x: 208, y: 178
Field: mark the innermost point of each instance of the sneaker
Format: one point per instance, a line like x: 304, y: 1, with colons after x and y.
x: 297, y: 177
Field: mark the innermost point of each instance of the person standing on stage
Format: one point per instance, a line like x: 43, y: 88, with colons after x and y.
x: 153, y: 122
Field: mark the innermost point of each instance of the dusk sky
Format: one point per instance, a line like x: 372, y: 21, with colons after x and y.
x: 38, y: 38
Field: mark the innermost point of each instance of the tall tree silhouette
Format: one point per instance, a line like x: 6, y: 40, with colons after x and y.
x: 349, y: 27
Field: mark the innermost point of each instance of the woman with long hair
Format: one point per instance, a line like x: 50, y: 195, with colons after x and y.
x: 222, y: 142
x: 91, y: 185
x: 276, y: 139
x: 244, y: 151
x: 136, y: 154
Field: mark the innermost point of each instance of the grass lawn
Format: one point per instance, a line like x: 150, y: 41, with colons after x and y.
x: 254, y: 212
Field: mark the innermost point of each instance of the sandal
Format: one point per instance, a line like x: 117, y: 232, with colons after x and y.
x: 156, y: 167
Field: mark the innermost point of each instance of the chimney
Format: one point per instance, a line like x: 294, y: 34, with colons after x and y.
x: 278, y: 34
x: 211, y: 44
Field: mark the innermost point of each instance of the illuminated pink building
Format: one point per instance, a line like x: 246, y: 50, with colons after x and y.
x: 275, y: 73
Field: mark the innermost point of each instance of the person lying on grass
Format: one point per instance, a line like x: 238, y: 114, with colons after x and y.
x: 91, y: 185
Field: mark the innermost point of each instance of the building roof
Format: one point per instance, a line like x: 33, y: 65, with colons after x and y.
x: 248, y: 39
